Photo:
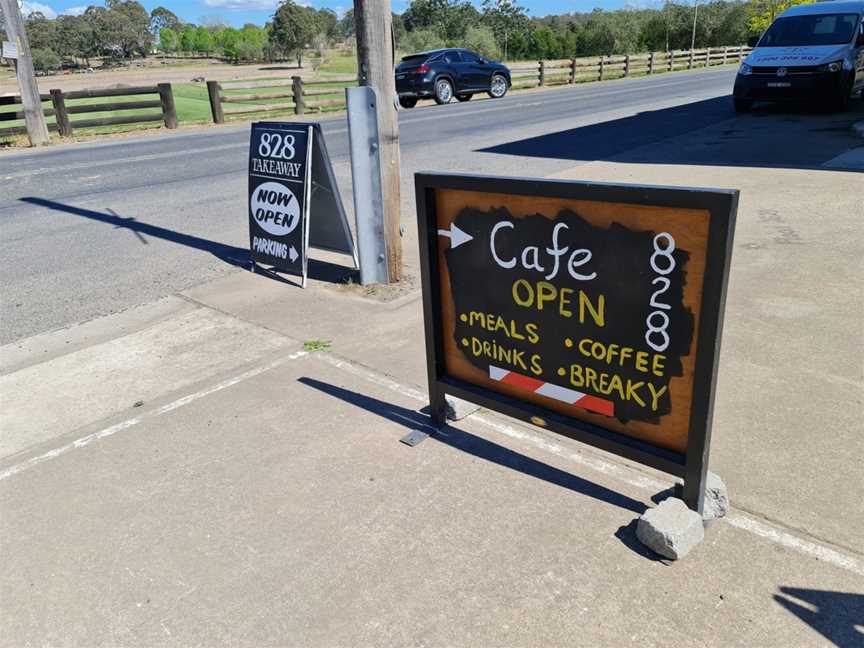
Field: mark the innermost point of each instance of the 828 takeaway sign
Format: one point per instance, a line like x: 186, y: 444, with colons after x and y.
x: 592, y: 310
x: 294, y: 202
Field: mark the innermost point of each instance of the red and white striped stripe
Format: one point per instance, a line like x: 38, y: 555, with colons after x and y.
x: 563, y: 394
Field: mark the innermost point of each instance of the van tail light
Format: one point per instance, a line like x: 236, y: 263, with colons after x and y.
x: 423, y: 69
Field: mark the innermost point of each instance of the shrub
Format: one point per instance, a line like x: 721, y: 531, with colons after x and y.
x: 44, y: 60
x: 422, y: 40
x: 482, y: 41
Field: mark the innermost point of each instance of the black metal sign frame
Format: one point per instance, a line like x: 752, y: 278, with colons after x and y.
x: 294, y: 154
x: 722, y: 206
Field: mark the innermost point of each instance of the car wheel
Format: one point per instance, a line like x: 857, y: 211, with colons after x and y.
x: 443, y: 91
x: 463, y: 97
x: 407, y: 102
x: 498, y: 86
x: 742, y: 105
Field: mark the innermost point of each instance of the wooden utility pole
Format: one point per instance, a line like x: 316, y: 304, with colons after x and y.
x: 375, y: 45
x: 693, y: 36
x: 34, y: 118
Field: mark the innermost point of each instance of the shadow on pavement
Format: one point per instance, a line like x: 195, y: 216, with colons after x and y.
x: 705, y: 132
x: 837, y: 616
x: 239, y: 257
x: 477, y: 446
x: 627, y: 536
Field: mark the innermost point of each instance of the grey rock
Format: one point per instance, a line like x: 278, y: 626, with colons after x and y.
x: 670, y: 529
x: 716, y: 498
x: 458, y: 409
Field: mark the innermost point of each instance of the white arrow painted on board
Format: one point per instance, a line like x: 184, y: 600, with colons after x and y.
x: 292, y: 253
x: 457, y: 236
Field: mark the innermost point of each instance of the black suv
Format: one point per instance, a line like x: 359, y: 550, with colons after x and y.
x: 445, y: 73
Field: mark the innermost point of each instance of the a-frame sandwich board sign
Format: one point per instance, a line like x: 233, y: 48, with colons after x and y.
x: 294, y: 203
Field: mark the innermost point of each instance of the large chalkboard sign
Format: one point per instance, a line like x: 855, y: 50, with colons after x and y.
x: 294, y: 203
x: 593, y: 310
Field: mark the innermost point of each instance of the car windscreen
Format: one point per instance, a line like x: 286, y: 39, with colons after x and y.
x: 818, y: 29
x: 414, y: 58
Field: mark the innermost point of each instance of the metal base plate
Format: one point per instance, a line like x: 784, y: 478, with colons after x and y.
x: 413, y: 438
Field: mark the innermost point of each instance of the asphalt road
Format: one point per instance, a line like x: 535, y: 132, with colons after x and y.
x: 92, y: 229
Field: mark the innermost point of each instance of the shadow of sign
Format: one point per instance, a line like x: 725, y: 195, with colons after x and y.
x: 236, y: 256
x: 837, y: 616
x: 477, y: 446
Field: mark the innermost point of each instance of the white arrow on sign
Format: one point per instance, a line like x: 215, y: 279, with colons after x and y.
x: 292, y: 253
x: 457, y: 236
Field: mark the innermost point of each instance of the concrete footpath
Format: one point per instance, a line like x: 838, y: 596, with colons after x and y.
x: 194, y: 472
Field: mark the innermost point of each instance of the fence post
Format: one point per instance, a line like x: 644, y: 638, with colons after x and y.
x: 169, y: 111
x: 214, y: 90
x: 670, y: 56
x: 725, y: 54
x: 297, y: 88
x: 740, y: 53
x: 572, y: 70
x: 627, y: 65
x: 600, y: 77
x: 542, y: 72
x: 64, y: 126
x: 690, y: 61
x: 651, y: 63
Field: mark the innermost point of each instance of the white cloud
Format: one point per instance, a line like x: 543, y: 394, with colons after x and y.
x: 243, y: 5
x: 73, y: 11
x: 37, y: 7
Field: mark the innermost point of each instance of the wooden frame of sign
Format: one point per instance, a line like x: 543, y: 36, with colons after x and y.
x: 294, y: 202
x: 593, y: 310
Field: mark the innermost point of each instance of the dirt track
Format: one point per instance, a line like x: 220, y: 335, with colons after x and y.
x: 153, y: 72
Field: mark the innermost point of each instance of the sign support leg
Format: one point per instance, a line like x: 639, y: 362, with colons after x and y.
x: 437, y: 406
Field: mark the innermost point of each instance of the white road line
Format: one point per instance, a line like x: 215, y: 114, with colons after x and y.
x: 620, y: 473
x: 125, y: 425
x: 552, y: 98
x: 772, y: 533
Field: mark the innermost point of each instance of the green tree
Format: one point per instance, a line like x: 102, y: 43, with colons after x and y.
x: 187, y: 39
x: 252, y: 44
x: 346, y: 28
x: 227, y: 41
x: 544, y: 44
x: 169, y: 41
x: 121, y: 28
x: 422, y: 40
x: 44, y: 60
x: 480, y: 39
x: 203, y: 40
x: 450, y: 19
x: 763, y: 12
x: 74, y: 36
x: 327, y: 23
x: 506, y: 19
x: 399, y: 31
x: 41, y: 32
x: 292, y: 29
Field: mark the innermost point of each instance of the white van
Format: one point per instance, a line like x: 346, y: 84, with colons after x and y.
x: 810, y: 52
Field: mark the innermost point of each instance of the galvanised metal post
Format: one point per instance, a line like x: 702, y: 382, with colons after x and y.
x: 366, y: 177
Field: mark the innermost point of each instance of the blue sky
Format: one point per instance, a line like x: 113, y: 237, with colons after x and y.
x: 237, y: 12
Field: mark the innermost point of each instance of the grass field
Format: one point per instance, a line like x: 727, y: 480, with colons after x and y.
x: 193, y: 104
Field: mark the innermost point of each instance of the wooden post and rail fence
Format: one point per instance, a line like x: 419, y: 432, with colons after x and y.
x: 299, y: 96
x: 292, y: 94
x: 604, y: 68
x: 278, y: 95
x: 65, y: 106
